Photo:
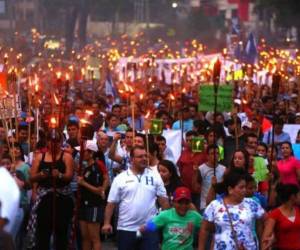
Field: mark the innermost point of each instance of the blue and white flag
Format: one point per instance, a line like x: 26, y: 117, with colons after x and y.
x: 109, y: 87
x: 251, y: 50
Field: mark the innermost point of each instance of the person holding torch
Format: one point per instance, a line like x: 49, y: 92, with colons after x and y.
x: 52, y: 209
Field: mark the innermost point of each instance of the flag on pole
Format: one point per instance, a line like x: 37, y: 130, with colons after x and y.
x: 109, y: 87
x: 266, y: 125
x: 251, y: 50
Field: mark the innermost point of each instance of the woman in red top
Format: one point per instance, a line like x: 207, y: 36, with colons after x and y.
x: 284, y: 222
x: 289, y: 166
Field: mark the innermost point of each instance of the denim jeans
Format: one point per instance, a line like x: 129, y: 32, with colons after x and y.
x: 17, y: 223
x: 127, y: 240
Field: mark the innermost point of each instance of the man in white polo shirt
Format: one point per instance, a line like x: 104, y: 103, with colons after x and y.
x: 135, y: 191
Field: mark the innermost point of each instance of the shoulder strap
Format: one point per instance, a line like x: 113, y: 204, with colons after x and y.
x: 232, y: 228
x: 43, y: 157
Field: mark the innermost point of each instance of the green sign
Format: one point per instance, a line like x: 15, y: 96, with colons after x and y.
x: 197, y: 144
x: 156, y: 127
x: 207, y: 98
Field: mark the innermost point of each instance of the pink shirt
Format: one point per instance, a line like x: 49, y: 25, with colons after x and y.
x: 287, y: 170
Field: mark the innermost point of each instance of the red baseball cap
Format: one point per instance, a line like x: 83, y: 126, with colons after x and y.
x: 182, y: 193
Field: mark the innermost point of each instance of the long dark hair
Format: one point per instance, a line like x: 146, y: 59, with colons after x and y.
x: 230, y: 179
x: 285, y: 191
x: 246, y: 156
x: 290, y: 145
x: 174, y: 180
x: 18, y: 145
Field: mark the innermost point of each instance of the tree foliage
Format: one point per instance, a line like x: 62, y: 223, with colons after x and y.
x: 287, y: 12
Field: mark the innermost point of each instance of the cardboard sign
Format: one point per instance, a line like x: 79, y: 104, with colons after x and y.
x: 156, y: 127
x: 198, y: 144
x: 7, y: 107
x: 207, y: 98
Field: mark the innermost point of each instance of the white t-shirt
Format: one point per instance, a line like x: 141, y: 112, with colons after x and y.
x: 206, y: 174
x: 9, y: 198
x: 136, y: 196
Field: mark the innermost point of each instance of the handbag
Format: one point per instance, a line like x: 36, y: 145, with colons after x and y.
x: 235, y: 238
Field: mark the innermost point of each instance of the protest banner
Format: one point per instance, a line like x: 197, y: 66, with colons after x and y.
x: 206, y: 98
x: 7, y: 107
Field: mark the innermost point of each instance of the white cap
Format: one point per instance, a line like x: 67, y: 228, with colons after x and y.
x: 247, y: 124
x: 90, y: 145
x: 238, y: 101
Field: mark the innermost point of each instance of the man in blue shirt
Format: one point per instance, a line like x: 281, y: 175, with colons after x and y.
x: 279, y: 135
x: 186, y: 119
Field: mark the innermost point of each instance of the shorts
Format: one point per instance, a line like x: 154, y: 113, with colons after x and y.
x: 91, y: 214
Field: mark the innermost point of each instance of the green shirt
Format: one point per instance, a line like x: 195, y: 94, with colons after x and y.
x: 178, y: 231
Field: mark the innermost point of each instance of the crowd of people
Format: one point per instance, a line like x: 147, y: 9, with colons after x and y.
x: 97, y: 173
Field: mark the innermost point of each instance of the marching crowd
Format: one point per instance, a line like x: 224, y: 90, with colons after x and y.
x: 240, y: 191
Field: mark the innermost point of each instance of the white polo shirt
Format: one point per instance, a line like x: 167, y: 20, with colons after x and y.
x: 136, y: 196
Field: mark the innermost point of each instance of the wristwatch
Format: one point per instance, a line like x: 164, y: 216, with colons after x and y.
x: 60, y: 176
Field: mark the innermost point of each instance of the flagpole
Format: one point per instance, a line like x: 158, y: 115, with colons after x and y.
x: 216, y: 82
x: 275, y: 91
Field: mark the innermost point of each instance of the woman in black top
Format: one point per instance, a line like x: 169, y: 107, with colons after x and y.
x: 53, y: 205
x: 168, y: 173
x: 92, y: 185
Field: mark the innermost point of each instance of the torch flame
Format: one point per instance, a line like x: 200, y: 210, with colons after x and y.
x: 53, y: 122
x: 56, y: 99
x: 58, y: 75
x: 89, y: 112
x: 131, y: 89
x: 83, y: 122
x: 36, y: 87
x: 126, y: 87
x: 147, y: 115
x: 172, y: 97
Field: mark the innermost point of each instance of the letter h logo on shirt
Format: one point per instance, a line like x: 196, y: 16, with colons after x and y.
x: 149, y: 180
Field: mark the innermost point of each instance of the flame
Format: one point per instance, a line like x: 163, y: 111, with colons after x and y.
x: 89, y: 112
x: 56, y: 99
x: 126, y: 87
x: 36, y: 87
x: 147, y: 115
x: 184, y: 90
x: 131, y: 89
x: 67, y: 77
x: 83, y: 122
x: 172, y: 97
x: 58, y: 75
x: 53, y: 122
x: 141, y: 96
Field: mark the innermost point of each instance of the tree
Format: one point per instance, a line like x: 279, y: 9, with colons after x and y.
x: 286, y: 12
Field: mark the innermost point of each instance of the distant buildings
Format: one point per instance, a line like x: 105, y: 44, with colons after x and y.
x: 16, y: 14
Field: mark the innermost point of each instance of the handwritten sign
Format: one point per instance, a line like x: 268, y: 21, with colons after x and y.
x: 207, y: 98
x: 7, y: 107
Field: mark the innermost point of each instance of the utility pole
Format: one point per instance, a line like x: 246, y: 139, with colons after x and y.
x: 11, y: 14
x: 139, y: 10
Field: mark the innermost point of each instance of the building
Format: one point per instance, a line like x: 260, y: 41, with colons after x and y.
x: 18, y: 14
x: 243, y: 9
